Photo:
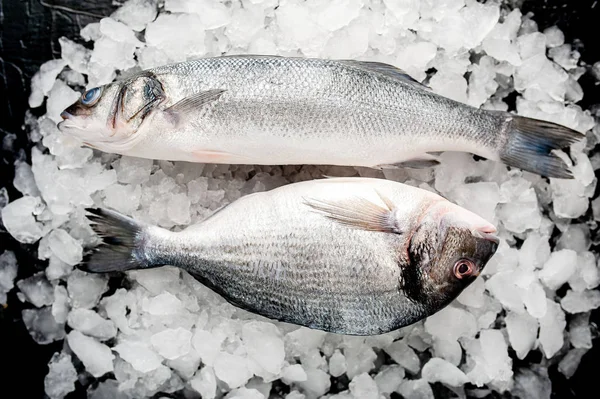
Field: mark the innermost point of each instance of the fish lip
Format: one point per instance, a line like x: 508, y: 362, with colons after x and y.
x: 66, y: 115
x: 486, y: 236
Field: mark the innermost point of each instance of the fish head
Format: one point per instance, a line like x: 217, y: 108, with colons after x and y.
x: 109, y: 117
x: 448, y: 251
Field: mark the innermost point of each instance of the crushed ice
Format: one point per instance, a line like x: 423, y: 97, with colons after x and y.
x: 167, y: 332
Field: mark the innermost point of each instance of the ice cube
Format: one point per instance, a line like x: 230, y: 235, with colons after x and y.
x: 19, y: 220
x: 123, y: 198
x: 212, y: 14
x: 363, y: 386
x: 404, y: 355
x: 264, y: 345
x: 491, y: 363
x: 179, y: 44
x: 440, y: 370
x: 534, y: 252
x: 448, y: 350
x: 59, y: 98
x: 552, y: 327
x: 205, y: 383
x: 96, y: 357
x: 416, y: 389
x: 451, y: 323
x: 302, y: 340
x: 85, y: 289
x: 337, y: 364
x: 501, y: 286
x: 533, y: 383
x: 24, y: 180
x: 580, y: 334
x: 92, y: 324
x: 61, y: 306
x: 43, y: 80
x: 522, y: 332
x: 136, y: 13
x: 178, y: 209
x: 293, y: 373
x: 42, y: 326
x: 569, y: 364
x: 207, y: 345
x: 65, y: 247
x: 554, y: 37
x: 579, y: 302
x: 534, y: 299
x: 172, y: 343
x: 317, y: 382
x: 37, y: 290
x: 232, y: 370
x: 108, y: 389
x: 8, y: 272
x: 61, y: 376
x: 57, y: 268
x: 131, y: 170
x: 139, y: 355
x: 389, y: 378
x: 558, y: 268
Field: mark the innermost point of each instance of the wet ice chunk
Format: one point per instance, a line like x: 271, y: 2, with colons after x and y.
x: 552, y: 327
x: 205, y: 383
x: 533, y: 383
x: 404, y: 355
x: 416, y: 389
x: 142, y: 358
x: 37, y: 290
x: 293, y: 373
x: 85, y: 289
x: 8, y: 272
x: 91, y: 323
x: 389, y: 378
x: 43, y: 80
x: 136, y: 13
x: 172, y: 343
x: 317, y: 382
x: 522, y: 332
x: 232, y: 370
x: 96, y: 357
x: 337, y: 364
x: 264, y: 345
x: 65, y: 247
x: 131, y: 170
x: 363, y: 386
x: 42, y: 326
x: 439, y: 370
x: 580, y: 334
x: 61, y: 377
x: 579, y: 302
x: 559, y: 268
x: 19, y: 220
x: 569, y: 364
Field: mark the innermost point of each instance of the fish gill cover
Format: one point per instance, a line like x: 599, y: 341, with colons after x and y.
x: 163, y: 332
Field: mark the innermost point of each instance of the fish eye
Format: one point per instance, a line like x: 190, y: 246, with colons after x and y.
x: 463, y: 268
x: 91, y: 96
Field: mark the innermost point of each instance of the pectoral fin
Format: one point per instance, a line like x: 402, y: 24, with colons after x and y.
x: 421, y: 162
x: 359, y: 213
x: 192, y: 104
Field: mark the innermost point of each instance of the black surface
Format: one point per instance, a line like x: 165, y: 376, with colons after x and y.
x: 29, y: 35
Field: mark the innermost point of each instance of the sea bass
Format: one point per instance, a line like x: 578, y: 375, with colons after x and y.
x: 355, y: 256
x: 277, y: 111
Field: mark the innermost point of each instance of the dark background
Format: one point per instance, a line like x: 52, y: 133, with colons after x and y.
x: 29, y: 32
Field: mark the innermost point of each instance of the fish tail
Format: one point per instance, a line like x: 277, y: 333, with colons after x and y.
x: 530, y: 142
x: 122, y: 243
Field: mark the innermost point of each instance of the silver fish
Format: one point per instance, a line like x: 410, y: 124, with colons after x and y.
x: 277, y: 111
x: 347, y: 255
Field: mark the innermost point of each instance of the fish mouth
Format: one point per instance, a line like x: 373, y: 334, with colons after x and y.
x: 486, y: 235
x: 66, y: 115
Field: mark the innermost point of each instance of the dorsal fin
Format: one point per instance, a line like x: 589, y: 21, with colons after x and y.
x: 387, y: 70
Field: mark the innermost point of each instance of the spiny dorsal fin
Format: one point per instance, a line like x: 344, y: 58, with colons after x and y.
x: 387, y: 70
x: 359, y: 213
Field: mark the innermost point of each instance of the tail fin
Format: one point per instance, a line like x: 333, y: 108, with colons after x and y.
x: 529, y: 146
x: 121, y: 237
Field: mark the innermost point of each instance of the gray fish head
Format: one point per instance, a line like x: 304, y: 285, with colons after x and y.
x: 448, y: 251
x: 108, y: 117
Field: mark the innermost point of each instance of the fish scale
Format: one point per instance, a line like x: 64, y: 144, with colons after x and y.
x: 288, y: 261
x: 270, y: 110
